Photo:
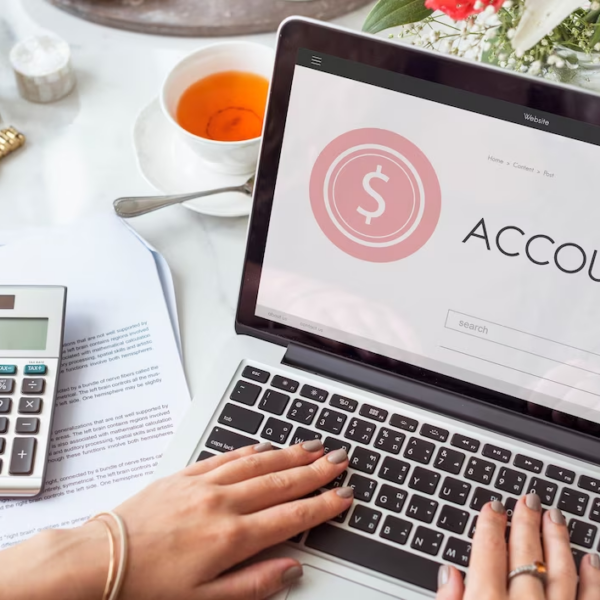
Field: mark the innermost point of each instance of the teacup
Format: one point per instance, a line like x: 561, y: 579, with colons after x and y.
x: 234, y: 158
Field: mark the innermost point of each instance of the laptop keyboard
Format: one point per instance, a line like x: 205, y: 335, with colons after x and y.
x: 418, y: 486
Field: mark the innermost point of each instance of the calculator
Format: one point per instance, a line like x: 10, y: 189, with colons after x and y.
x: 31, y: 338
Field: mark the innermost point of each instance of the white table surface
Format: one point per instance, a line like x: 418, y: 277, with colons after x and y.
x: 79, y: 157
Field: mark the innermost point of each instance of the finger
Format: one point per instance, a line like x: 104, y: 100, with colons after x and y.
x: 255, y: 582
x: 255, y: 465
x: 562, y: 575
x: 525, y: 547
x: 450, y: 584
x: 214, y: 462
x: 487, y: 568
x: 589, y: 578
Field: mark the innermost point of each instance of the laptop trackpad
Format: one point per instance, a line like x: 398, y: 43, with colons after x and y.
x: 320, y: 585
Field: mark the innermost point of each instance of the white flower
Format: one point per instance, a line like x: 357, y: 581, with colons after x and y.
x: 478, y: 5
x: 508, y: 4
x: 595, y: 6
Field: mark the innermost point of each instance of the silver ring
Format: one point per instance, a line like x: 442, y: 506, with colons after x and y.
x: 536, y: 569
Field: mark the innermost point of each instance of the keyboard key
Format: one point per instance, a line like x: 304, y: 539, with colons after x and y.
x: 455, y: 491
x: 373, y: 412
x: 7, y: 386
x: 372, y: 554
x: 391, y: 498
x: 510, y: 481
x: 394, y: 470
x: 457, y: 552
x: 595, y: 510
x: 303, y: 435
x: 297, y: 538
x: 314, y: 393
x: 482, y: 496
x: 8, y: 369
x: 30, y: 405
x: 302, y: 412
x: 529, y: 464
x: 480, y: 470
x: 509, y: 505
x: 2, y: 445
x: 240, y: 418
x: 274, y: 402
x: 582, y: 534
x: 337, y: 482
x: 330, y: 444
x: 573, y: 502
x: 3, y: 424
x: 589, y: 483
x: 360, y: 431
x: 276, y: 431
x: 204, y: 455
x: 427, y: 540
x: 344, y: 403
x: 341, y: 517
x: 424, y: 480
x: 245, y: 392
x: 396, y: 529
x: 545, y: 489
x: 434, y: 433
x: 389, y: 440
x: 223, y: 440
x: 465, y: 443
x: 364, y: 488
x: 560, y: 474
x: 5, y: 405
x: 490, y: 451
x: 364, y: 460
x: 419, y: 450
x: 364, y: 518
x: 449, y: 460
x: 33, y: 386
x: 404, y: 423
x: 283, y: 383
x: 422, y: 509
x: 256, y: 374
x: 27, y: 425
x: 452, y: 519
x: 578, y: 556
x: 331, y: 421
x: 35, y: 370
x: 472, y: 527
x: 23, y: 455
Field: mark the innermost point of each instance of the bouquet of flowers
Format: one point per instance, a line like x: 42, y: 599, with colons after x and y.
x: 541, y: 37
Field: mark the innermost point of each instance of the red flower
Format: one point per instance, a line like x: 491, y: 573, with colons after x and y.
x: 461, y: 9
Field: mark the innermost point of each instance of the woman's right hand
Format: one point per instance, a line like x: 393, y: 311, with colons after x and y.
x: 492, y: 559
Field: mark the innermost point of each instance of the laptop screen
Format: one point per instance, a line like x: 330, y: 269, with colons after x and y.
x: 447, y: 230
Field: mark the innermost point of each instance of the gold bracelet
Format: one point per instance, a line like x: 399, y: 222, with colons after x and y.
x: 111, y: 560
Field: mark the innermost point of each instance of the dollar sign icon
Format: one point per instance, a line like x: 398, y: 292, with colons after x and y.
x: 374, y: 214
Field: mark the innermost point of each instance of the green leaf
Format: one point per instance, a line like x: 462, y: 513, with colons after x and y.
x: 596, y: 37
x: 391, y: 13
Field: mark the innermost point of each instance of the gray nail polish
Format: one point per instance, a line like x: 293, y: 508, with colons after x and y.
x: 345, y: 492
x: 498, y: 507
x: 292, y: 574
x: 595, y: 561
x: 533, y: 502
x: 337, y: 456
x: 557, y: 517
x: 443, y: 576
x: 312, y: 445
x: 264, y: 447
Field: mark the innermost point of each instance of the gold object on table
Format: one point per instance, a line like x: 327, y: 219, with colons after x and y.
x: 10, y: 140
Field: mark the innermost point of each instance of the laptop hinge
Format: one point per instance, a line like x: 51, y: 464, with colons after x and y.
x: 444, y: 402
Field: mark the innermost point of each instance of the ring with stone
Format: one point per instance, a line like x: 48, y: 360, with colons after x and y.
x: 536, y: 569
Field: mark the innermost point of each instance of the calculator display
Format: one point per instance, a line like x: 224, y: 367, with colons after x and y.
x: 23, y: 334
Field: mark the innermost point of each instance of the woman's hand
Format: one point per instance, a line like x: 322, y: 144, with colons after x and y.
x: 492, y: 559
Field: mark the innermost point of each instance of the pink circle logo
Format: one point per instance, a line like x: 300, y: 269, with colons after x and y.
x: 375, y: 195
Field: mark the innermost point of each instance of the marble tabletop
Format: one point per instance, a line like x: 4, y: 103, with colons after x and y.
x: 79, y: 157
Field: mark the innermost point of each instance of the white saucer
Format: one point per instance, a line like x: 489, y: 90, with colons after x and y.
x: 168, y: 164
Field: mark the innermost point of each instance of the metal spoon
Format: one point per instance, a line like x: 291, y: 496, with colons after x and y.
x: 136, y: 206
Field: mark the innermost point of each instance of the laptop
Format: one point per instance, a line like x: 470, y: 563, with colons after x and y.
x: 421, y: 286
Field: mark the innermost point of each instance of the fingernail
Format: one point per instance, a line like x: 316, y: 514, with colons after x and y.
x: 292, y: 574
x: 595, y: 561
x: 443, y: 575
x: 557, y: 517
x: 312, y: 445
x: 337, y: 456
x: 263, y: 447
x: 498, y: 507
x: 345, y: 492
x: 533, y: 502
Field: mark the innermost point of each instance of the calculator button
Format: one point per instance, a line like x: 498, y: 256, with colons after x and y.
x: 8, y: 369
x: 36, y: 369
x: 5, y: 405
x: 2, y: 445
x: 26, y: 425
x: 3, y: 424
x: 33, y: 386
x: 7, y: 386
x: 30, y: 405
x: 23, y: 453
